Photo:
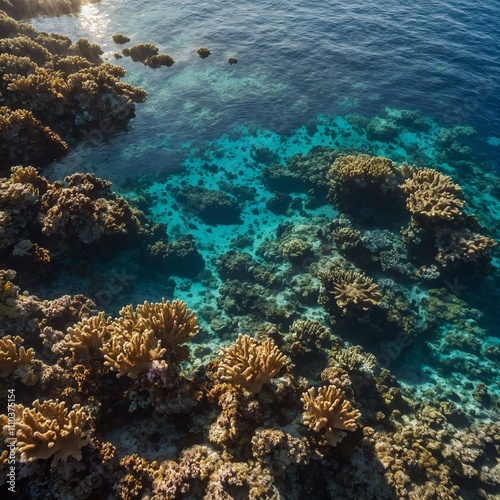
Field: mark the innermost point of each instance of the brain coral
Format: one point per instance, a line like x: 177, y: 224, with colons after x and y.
x: 432, y: 195
x: 251, y: 363
x: 50, y: 430
x: 329, y: 413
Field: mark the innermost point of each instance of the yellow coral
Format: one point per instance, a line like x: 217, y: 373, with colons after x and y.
x: 171, y: 322
x: 11, y: 356
x: 431, y: 195
x: 363, y: 169
x: 351, y: 290
x: 251, y: 363
x: 50, y: 430
x: 86, y: 337
x: 131, y: 353
x: 329, y: 413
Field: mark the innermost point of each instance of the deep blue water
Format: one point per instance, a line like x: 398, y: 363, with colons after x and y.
x: 295, y: 60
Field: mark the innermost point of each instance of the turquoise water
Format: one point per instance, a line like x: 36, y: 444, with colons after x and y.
x: 416, y: 83
x: 305, y: 77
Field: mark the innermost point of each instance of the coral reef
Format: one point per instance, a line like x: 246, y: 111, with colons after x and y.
x: 50, y: 430
x: 351, y: 291
x: 329, y: 413
x: 203, y: 52
x: 211, y: 206
x: 251, y: 364
x: 53, y: 91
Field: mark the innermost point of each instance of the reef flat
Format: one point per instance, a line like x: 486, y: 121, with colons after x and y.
x: 278, y: 316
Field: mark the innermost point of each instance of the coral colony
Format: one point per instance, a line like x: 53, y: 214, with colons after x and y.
x: 156, y: 400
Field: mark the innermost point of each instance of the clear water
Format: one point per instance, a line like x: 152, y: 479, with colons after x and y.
x: 295, y: 60
x: 301, y: 67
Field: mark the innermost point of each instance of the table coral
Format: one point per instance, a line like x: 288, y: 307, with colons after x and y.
x: 50, y: 430
x: 329, y: 412
x: 251, y: 363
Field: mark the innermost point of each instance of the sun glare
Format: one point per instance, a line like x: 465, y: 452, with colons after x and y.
x: 94, y: 20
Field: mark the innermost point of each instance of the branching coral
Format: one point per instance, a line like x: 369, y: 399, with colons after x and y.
x: 12, y: 356
x: 85, y: 339
x: 130, y: 353
x: 362, y: 169
x: 132, y: 342
x: 352, y: 291
x: 432, y: 195
x: 251, y: 363
x: 329, y: 413
x: 50, y: 430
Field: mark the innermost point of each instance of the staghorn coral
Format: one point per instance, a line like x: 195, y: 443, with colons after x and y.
x: 251, y: 363
x: 329, y: 413
x: 432, y: 196
x: 12, y: 356
x: 362, y: 169
x: 351, y: 291
x: 131, y: 343
x: 50, y: 430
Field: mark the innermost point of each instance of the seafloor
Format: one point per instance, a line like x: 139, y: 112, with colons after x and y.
x: 356, y: 255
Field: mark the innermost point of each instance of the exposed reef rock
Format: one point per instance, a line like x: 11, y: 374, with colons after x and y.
x: 55, y: 91
x: 24, y: 9
x: 203, y: 52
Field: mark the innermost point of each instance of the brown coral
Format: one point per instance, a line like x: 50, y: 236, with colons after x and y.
x: 50, y: 430
x: 352, y: 291
x: 251, y: 363
x: 85, y: 339
x: 329, y: 413
x: 362, y: 169
x: 12, y: 356
x: 131, y: 353
x: 432, y: 195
